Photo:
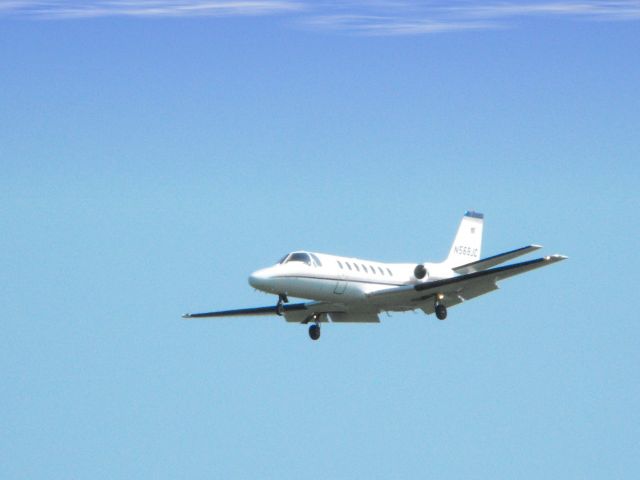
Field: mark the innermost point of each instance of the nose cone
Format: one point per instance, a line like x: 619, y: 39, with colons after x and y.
x: 259, y: 279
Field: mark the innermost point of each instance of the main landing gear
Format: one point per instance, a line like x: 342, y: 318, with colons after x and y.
x: 440, y: 307
x: 441, y: 311
x: 314, y: 331
x: 314, y: 328
x: 282, y: 299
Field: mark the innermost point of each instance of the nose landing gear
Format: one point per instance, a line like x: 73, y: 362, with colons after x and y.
x: 282, y: 299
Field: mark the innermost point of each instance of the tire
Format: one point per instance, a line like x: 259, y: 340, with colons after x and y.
x: 314, y: 331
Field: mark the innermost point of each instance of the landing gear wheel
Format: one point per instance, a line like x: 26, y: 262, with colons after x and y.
x: 441, y: 311
x: 314, y: 331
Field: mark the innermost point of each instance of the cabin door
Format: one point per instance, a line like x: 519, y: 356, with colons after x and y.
x: 341, y: 286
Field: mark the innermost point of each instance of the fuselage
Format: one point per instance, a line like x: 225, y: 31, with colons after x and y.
x: 331, y: 278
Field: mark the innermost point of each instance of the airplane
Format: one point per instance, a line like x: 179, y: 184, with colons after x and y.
x: 346, y: 289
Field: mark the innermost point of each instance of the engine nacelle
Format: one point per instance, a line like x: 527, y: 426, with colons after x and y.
x: 420, y: 271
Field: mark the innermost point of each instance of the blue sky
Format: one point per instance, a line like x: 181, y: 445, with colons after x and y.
x: 155, y: 153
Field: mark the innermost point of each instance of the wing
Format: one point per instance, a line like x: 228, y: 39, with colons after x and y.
x: 455, y: 289
x: 247, y: 312
x: 293, y: 312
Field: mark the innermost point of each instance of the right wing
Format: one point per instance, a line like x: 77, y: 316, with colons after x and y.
x: 455, y: 289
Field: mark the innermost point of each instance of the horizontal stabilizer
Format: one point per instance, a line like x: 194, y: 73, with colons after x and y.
x: 489, y: 262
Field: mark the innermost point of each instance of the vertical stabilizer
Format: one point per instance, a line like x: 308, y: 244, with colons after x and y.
x: 468, y: 242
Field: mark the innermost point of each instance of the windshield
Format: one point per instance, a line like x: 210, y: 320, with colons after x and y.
x: 299, y: 257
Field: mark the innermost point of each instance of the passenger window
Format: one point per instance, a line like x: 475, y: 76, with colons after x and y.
x: 356, y: 265
x: 364, y: 267
x: 373, y: 270
x: 340, y: 264
x: 348, y: 265
x: 381, y: 271
x: 390, y: 272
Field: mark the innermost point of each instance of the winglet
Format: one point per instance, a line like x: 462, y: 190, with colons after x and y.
x: 186, y: 315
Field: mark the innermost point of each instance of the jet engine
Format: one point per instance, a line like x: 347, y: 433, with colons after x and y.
x: 420, y: 271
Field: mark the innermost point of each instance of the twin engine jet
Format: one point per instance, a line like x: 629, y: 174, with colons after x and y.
x: 344, y: 289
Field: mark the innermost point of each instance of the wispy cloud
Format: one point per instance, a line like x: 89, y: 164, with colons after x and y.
x: 388, y: 17
x: 602, y: 9
x: 53, y: 9
x: 384, y: 25
x: 360, y: 17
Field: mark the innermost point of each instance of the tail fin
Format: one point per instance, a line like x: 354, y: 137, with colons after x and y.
x: 468, y: 242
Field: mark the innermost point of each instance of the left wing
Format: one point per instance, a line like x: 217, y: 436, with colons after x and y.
x: 456, y: 289
x: 246, y: 312
x: 293, y: 312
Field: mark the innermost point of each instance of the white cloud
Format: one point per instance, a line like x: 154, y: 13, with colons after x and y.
x: 610, y: 9
x: 146, y: 8
x: 361, y: 17
x: 388, y: 17
x: 389, y: 25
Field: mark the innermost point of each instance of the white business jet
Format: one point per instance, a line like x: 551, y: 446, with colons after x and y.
x: 345, y: 289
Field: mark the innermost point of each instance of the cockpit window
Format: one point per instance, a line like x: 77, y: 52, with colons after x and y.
x: 316, y: 259
x: 299, y: 257
x: 283, y: 259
